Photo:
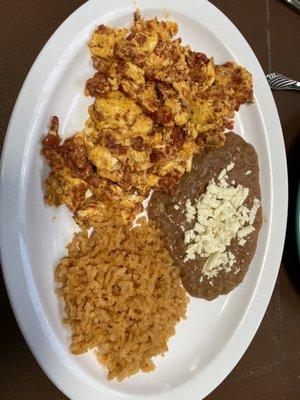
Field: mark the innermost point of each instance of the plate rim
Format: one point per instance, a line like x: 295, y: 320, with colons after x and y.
x: 37, y: 340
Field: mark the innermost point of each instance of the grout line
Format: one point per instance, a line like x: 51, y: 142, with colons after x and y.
x: 269, y: 51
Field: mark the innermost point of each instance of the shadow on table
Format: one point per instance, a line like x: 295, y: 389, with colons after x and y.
x: 9, y: 328
x: 290, y: 255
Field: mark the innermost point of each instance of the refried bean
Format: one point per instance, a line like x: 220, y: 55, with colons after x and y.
x: 206, y: 166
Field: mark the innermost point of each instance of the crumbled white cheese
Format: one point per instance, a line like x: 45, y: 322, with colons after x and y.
x: 245, y: 231
x: 253, y: 211
x: 190, y: 211
x: 222, y: 174
x: 176, y: 207
x: 231, y: 258
x: 233, y: 182
x: 230, y: 166
x: 189, y: 236
x: 248, y: 172
x: 220, y: 215
x: 215, y: 262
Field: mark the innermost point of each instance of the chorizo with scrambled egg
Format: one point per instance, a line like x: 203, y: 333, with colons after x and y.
x: 157, y: 102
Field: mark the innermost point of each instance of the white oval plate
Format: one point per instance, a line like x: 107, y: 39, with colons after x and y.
x: 216, y: 334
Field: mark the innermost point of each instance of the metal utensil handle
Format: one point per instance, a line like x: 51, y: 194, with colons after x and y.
x: 281, y: 82
x: 293, y: 3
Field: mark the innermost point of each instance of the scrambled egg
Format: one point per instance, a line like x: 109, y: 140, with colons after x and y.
x: 157, y: 103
